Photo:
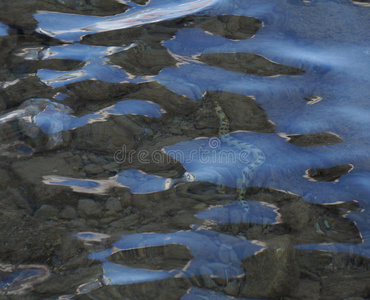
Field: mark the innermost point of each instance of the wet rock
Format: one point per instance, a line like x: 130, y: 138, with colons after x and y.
x: 46, y: 212
x: 144, y: 59
x: 110, y: 166
x: 25, y: 88
x: 157, y: 162
x: 141, y: 2
x: 108, y: 220
x: 231, y: 26
x: 172, y: 288
x: 248, y: 63
x: 13, y: 200
x: 92, y: 223
x: 126, y: 222
x: 148, y: 221
x: 244, y: 113
x: 95, y: 159
x: 296, y: 214
x: 78, y: 224
x: 2, y: 105
x: 33, y: 239
x: 62, y: 285
x: 32, y: 171
x: 93, y: 169
x: 280, y: 274
x: 171, y: 102
x: 75, y: 161
x: 329, y: 174
x: 68, y: 213
x: 117, y: 133
x: 331, y: 275
x: 314, y: 139
x: 126, y: 199
x: 311, y: 223
x: 88, y: 208
x: 96, y: 91
x: 113, y: 38
x: 113, y: 206
x: 307, y: 290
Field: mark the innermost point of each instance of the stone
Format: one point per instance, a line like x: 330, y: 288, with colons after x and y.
x: 32, y: 171
x: 4, y: 178
x: 68, y: 213
x: 88, y: 208
x: 93, y: 169
x: 110, y: 166
x: 46, y: 212
x: 126, y: 199
x: 113, y: 204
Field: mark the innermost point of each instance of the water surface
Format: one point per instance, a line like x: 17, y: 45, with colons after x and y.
x: 115, y: 181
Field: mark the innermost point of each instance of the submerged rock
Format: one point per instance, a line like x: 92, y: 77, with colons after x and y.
x: 88, y: 208
x: 37, y: 125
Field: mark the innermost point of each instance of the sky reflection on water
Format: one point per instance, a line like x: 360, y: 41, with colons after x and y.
x: 309, y: 74
x: 335, y: 67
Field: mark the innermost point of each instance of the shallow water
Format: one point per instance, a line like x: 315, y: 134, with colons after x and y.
x: 118, y: 183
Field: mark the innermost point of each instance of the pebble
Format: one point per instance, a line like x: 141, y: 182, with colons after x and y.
x: 207, y: 274
x: 126, y: 199
x: 88, y: 208
x: 113, y: 206
x: 126, y: 222
x: 92, y: 223
x: 46, y: 212
x: 147, y: 221
x: 93, y: 158
x: 67, y: 154
x: 108, y: 220
x: 79, y: 224
x: 93, y: 169
x: 111, y: 166
x: 232, y: 288
x: 68, y: 213
x: 128, y: 211
x: 201, y: 206
x: 4, y: 178
x: 2, y: 105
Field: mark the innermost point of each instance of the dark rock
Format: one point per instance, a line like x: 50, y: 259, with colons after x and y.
x: 46, y: 212
x: 88, y: 208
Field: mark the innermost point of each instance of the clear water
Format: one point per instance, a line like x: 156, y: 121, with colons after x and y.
x: 117, y: 184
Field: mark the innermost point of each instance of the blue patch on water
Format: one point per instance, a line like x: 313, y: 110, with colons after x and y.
x: 195, y: 241
x: 234, y: 213
x: 13, y: 277
x: 3, y: 29
x: 51, y: 120
x: 88, y: 184
x: 73, y: 27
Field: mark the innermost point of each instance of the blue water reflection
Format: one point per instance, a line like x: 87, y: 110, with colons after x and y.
x: 258, y: 214
x: 72, y: 27
x: 96, y: 64
x: 135, y: 107
x: 204, y: 246
x: 3, y: 29
x: 137, y: 181
x: 329, y: 40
